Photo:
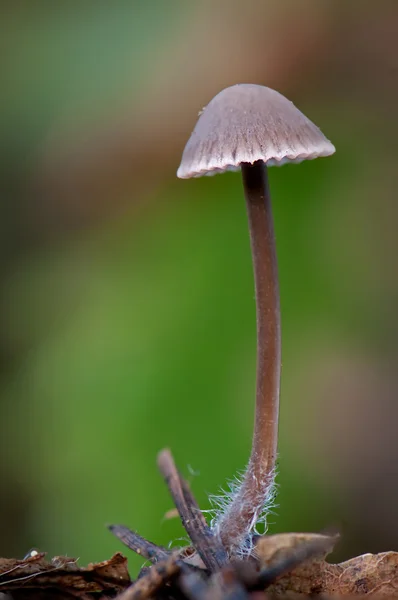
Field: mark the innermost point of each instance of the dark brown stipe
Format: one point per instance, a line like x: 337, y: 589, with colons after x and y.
x: 258, y: 481
x: 205, y: 542
x: 138, y: 544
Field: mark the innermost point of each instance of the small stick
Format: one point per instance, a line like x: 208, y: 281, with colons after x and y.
x: 191, y: 500
x: 139, y: 544
x: 205, y: 542
x: 295, y: 557
x: 156, y: 578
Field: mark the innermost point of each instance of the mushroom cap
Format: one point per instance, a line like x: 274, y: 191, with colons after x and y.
x: 245, y: 123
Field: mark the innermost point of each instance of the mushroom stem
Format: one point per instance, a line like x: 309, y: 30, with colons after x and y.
x: 262, y: 237
x: 258, y: 483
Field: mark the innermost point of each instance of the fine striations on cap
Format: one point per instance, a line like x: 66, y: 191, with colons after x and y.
x: 245, y: 123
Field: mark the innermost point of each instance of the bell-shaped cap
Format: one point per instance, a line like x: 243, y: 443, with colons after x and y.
x: 246, y: 123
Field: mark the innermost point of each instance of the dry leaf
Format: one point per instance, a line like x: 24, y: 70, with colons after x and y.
x: 271, y: 549
x: 373, y: 575
x: 61, y: 577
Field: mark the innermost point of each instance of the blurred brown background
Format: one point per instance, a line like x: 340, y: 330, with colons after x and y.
x: 127, y: 314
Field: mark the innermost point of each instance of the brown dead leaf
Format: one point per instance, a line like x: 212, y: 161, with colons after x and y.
x: 271, y: 549
x: 373, y: 575
x: 61, y: 577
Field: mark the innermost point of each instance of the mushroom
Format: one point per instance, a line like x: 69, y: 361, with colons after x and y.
x: 252, y: 127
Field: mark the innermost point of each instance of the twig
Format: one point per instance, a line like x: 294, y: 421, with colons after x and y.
x: 295, y: 557
x: 157, y: 576
x: 138, y: 544
x: 209, y: 547
x: 190, y: 498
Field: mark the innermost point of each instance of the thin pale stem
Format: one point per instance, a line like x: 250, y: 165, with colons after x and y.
x: 258, y: 482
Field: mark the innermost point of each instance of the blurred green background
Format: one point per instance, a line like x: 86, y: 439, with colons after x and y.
x: 127, y: 317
